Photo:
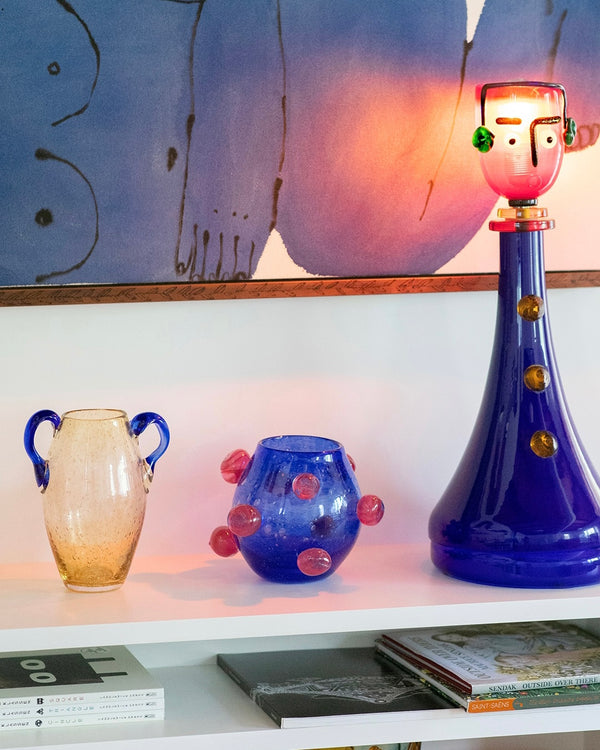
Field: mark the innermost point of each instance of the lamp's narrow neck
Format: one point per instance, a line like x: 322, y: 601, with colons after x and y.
x: 522, y: 321
x: 522, y: 273
x: 523, y: 338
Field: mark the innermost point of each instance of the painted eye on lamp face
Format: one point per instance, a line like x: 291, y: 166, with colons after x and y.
x: 547, y: 138
x: 512, y: 140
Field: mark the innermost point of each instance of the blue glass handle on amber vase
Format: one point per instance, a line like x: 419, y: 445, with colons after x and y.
x: 40, y: 465
x: 139, y: 424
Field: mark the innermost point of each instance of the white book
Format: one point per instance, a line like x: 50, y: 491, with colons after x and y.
x: 63, y: 678
x: 80, y: 720
x: 82, y: 707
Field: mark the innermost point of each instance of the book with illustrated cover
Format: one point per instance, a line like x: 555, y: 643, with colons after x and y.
x: 504, y: 657
x: 51, y: 682
x: 556, y: 697
x: 318, y: 687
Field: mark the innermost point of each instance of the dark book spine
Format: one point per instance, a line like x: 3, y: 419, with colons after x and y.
x: 256, y: 697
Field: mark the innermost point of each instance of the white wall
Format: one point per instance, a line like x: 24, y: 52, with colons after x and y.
x: 397, y: 379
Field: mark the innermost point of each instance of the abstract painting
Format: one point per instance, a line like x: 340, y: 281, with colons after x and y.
x: 166, y: 141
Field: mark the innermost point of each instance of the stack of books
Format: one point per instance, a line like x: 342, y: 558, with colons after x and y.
x: 71, y: 687
x: 503, y: 667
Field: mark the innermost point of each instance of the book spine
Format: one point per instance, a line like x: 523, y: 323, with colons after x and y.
x: 524, y: 702
x: 487, y: 705
x: 76, y: 709
x: 232, y: 674
x: 281, y: 721
x: 252, y: 694
x: 550, y: 682
x: 66, y: 699
x: 72, y: 721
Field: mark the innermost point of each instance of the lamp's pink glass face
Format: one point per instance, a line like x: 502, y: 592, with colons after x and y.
x: 528, y: 139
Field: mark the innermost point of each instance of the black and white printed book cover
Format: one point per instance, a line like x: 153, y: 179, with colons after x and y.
x: 50, y: 679
x: 328, y: 686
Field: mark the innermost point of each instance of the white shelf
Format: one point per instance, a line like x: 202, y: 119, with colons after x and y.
x: 203, y: 598
x: 207, y: 711
x: 179, y: 612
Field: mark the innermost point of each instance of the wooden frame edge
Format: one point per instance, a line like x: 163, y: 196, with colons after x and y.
x: 79, y: 294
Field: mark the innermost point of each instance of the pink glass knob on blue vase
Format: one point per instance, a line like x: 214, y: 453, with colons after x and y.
x: 297, y: 508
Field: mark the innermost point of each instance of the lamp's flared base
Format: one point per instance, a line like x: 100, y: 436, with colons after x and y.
x: 523, y: 507
x: 550, y: 569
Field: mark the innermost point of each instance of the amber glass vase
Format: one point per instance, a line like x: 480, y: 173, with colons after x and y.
x: 94, y: 486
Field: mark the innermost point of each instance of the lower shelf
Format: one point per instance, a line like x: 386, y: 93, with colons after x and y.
x: 205, y: 709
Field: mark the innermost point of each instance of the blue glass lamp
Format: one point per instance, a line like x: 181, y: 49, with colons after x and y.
x: 523, y: 508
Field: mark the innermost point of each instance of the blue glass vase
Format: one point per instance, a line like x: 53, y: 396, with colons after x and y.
x: 297, y: 508
x: 523, y: 506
